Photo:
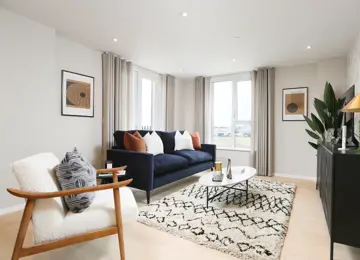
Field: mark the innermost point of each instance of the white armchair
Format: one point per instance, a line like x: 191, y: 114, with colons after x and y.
x: 53, y: 225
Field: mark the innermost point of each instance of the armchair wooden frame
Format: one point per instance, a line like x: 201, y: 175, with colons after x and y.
x: 31, y: 197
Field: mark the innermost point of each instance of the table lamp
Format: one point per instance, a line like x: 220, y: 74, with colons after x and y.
x: 352, y: 107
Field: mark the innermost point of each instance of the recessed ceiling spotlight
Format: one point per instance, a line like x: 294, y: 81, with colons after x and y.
x: 181, y: 70
x: 233, y: 60
x: 308, y: 47
x: 184, y: 14
x: 115, y: 40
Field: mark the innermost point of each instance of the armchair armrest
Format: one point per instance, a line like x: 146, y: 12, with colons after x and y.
x: 211, y: 149
x: 63, y: 193
x: 140, y: 166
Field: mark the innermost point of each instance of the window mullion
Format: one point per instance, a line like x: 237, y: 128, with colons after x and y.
x: 234, y: 112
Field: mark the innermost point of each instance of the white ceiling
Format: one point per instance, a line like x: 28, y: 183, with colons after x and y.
x: 153, y: 33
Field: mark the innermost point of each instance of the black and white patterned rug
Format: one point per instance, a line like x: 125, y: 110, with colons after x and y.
x: 250, y: 229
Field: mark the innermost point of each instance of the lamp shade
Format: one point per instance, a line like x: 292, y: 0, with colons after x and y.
x: 353, y: 106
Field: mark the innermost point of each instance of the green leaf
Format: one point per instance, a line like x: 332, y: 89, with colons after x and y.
x: 315, y: 146
x: 319, y: 104
x: 321, y: 109
x: 319, y: 127
x: 329, y: 98
x: 312, y: 134
x: 338, y: 120
x: 340, y: 103
x: 310, y: 123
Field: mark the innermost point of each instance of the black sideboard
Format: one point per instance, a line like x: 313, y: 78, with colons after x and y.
x: 338, y: 181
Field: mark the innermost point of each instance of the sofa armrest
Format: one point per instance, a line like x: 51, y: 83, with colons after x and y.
x: 140, y: 166
x: 211, y: 149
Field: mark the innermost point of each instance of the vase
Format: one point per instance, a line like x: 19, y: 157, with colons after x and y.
x: 332, y: 136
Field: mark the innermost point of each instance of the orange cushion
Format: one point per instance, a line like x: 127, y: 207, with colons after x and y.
x: 196, y: 140
x: 134, y: 142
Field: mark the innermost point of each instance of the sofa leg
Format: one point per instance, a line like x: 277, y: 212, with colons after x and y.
x: 148, y: 196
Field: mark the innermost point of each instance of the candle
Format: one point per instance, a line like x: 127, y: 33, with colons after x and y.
x: 343, y: 143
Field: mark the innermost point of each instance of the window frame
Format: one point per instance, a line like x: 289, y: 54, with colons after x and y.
x: 155, y: 80
x: 234, y: 78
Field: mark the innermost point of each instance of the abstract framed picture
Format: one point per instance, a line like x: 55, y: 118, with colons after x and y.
x: 77, y: 94
x: 294, y: 104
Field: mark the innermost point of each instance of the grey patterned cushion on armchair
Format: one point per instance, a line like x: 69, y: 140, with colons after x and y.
x: 76, y: 172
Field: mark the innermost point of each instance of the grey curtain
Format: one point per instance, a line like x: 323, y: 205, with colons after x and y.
x: 170, y: 103
x: 117, y: 97
x: 203, y: 108
x: 200, y: 107
x: 263, y: 121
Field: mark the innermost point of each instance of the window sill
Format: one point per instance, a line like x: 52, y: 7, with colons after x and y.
x: 233, y: 149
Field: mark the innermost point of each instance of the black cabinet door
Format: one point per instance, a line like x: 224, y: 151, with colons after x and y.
x: 326, y: 174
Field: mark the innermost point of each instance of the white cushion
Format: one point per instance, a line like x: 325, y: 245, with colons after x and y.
x: 100, y: 214
x: 153, y: 143
x: 183, y: 141
x: 35, y: 174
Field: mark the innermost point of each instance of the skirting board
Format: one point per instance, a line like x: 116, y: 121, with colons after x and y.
x: 12, y: 209
x: 295, y: 176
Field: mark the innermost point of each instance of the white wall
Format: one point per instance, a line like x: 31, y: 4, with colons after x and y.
x: 353, y: 76
x: 293, y: 155
x: 31, y: 59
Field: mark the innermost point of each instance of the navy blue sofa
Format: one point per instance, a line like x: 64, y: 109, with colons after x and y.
x: 150, y: 172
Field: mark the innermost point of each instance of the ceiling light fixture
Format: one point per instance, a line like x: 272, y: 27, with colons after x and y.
x: 184, y: 14
x: 115, y: 40
x: 233, y: 60
x: 308, y: 47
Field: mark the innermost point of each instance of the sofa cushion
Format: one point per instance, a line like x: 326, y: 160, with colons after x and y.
x: 134, y: 142
x: 119, y: 137
x: 183, y: 141
x: 194, y: 157
x: 75, y: 172
x: 196, y: 140
x: 164, y: 163
x: 154, y: 144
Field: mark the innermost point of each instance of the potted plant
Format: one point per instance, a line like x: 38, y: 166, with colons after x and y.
x: 325, y: 126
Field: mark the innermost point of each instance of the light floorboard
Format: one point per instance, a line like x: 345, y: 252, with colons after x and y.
x: 307, y: 238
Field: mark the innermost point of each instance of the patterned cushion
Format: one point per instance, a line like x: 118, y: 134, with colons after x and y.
x: 75, y: 172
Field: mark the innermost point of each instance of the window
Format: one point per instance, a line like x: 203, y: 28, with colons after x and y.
x: 146, y: 93
x: 146, y: 104
x: 231, y: 122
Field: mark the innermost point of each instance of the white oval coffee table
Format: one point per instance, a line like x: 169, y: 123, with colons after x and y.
x: 239, y: 174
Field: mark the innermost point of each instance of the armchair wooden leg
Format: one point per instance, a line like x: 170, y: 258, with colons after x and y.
x: 119, y: 223
x: 24, y: 224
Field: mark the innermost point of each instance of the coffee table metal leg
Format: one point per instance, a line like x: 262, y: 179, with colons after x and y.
x: 207, y: 197
x: 247, y: 189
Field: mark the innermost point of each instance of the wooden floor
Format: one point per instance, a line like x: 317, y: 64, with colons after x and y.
x: 307, y: 237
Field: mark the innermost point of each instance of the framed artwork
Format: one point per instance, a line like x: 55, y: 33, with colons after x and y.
x: 294, y: 104
x: 77, y: 94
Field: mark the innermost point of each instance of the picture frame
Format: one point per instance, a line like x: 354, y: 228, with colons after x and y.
x: 77, y: 94
x: 294, y: 104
